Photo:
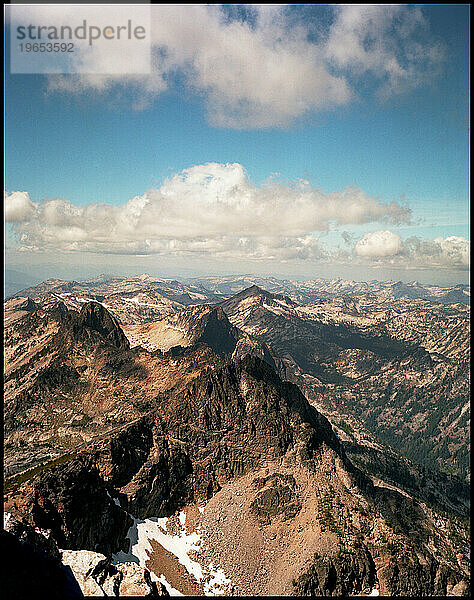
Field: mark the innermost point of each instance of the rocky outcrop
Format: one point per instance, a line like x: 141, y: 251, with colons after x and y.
x: 163, y: 484
x: 27, y: 304
x: 121, y: 457
x: 277, y: 496
x: 217, y: 333
x: 95, y: 317
x: 55, y: 376
x: 407, y: 575
x: 71, y: 500
x: 261, y: 295
x: 24, y: 532
x: 353, y: 571
x: 58, y: 308
x: 345, y: 574
x: 36, y: 568
x: 248, y: 346
x: 97, y: 576
x: 226, y: 423
x: 192, y: 326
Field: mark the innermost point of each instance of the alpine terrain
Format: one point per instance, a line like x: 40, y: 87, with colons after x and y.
x: 237, y: 436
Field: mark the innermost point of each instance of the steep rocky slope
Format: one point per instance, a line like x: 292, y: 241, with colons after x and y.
x: 186, y: 328
x: 401, y: 367
x: 71, y: 377
x: 145, y: 434
x: 196, y: 325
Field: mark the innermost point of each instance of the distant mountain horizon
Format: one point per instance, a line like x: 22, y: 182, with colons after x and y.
x: 215, y: 287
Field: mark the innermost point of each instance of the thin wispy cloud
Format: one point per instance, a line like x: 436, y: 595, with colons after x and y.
x: 390, y: 42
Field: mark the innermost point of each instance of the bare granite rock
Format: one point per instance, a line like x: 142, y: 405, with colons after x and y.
x: 98, y: 577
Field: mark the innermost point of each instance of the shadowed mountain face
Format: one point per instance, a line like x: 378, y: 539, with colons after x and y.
x: 311, y: 343
x: 217, y: 335
x: 399, y: 366
x: 33, y: 573
x: 207, y: 325
x: 207, y: 421
x: 95, y: 317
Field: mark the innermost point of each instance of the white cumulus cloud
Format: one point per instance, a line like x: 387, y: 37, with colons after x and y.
x: 452, y: 251
x: 269, y: 69
x: 387, y: 248
x: 215, y: 210
x: 212, y: 208
x: 379, y: 244
x: 18, y: 207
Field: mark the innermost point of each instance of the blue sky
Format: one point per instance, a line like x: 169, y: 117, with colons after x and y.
x: 86, y: 147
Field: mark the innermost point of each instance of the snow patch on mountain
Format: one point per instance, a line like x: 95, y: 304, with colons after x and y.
x: 181, y: 545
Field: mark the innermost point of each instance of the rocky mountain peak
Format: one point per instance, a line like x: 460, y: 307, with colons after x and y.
x: 210, y: 326
x: 201, y: 324
x: 58, y: 307
x: 21, y: 303
x: 253, y: 295
x: 96, y: 317
x: 253, y: 290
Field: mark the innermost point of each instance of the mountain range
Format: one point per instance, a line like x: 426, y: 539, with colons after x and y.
x: 213, y: 289
x: 308, y: 440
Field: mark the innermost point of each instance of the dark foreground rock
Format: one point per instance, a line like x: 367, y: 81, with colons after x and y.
x: 71, y: 500
x: 29, y: 572
x: 347, y: 573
